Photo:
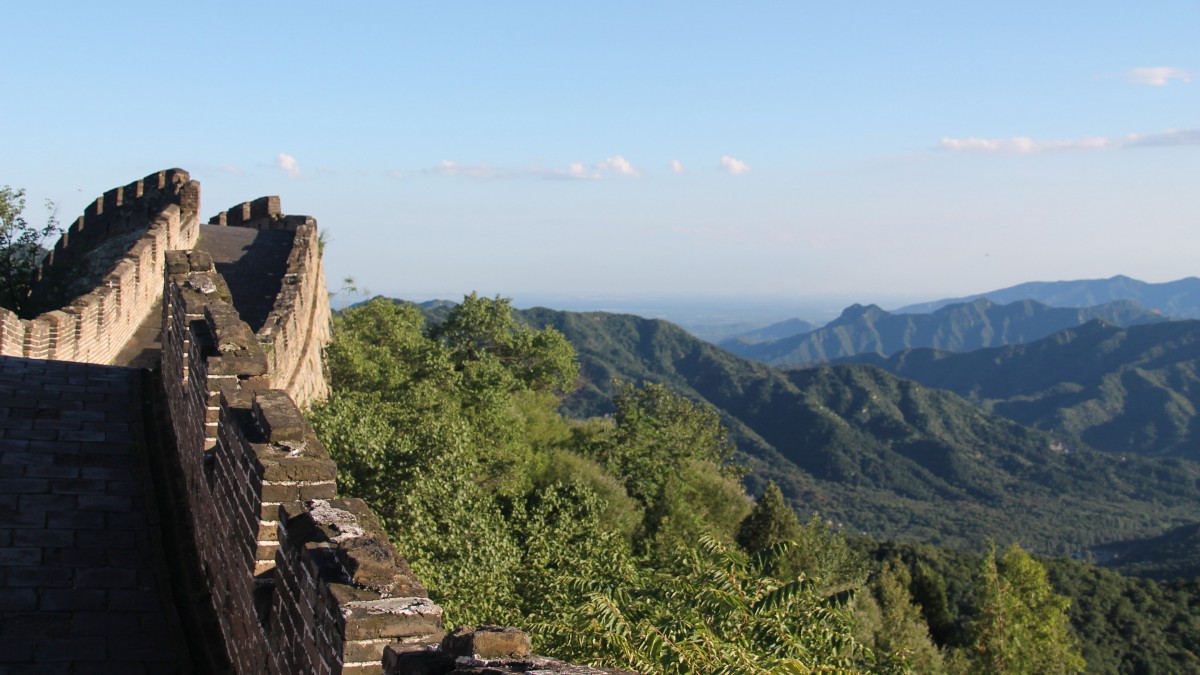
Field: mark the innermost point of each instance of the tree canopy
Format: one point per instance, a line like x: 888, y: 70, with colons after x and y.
x: 21, y: 249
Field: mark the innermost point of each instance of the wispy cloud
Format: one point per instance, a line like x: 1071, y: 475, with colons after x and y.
x: 1024, y: 145
x: 734, y: 166
x: 474, y: 171
x: 677, y: 166
x: 615, y: 165
x: 573, y: 171
x: 288, y: 165
x: 1159, y: 76
x: 231, y: 170
x: 619, y: 164
x: 1171, y: 137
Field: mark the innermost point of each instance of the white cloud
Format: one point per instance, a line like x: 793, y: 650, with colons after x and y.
x: 475, y: 171
x: 620, y: 165
x: 677, y: 166
x: 288, y: 165
x: 1024, y: 145
x: 734, y: 166
x: 1171, y: 137
x: 1157, y: 77
x: 231, y: 170
x: 573, y: 171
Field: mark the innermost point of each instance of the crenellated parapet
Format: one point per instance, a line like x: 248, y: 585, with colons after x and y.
x: 299, y: 324
x: 302, y: 581
x: 158, y: 213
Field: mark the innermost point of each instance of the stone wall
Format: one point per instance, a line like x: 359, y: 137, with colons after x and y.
x: 302, y: 582
x: 94, y: 326
x: 298, y: 327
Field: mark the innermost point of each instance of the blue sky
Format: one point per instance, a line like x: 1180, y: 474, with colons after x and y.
x: 875, y: 151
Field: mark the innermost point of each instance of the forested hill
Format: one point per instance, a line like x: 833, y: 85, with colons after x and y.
x: 1131, y: 390
x: 884, y: 456
x: 1178, y: 299
x: 956, y: 328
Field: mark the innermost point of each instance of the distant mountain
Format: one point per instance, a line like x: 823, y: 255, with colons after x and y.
x: 956, y: 328
x: 1177, y: 299
x: 776, y: 331
x: 1131, y: 390
x: 884, y: 456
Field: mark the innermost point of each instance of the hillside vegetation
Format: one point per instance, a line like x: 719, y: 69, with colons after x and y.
x: 1131, y: 390
x: 627, y: 540
x: 956, y: 328
x: 884, y: 456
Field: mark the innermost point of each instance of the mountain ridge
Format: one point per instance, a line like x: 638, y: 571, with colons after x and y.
x: 1178, y: 299
x: 1134, y: 389
x: 958, y: 328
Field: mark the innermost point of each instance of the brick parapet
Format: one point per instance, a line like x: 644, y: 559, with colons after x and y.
x: 302, y: 581
x: 93, y: 327
x: 299, y: 325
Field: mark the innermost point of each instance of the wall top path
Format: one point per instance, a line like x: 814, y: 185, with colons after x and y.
x: 77, y: 575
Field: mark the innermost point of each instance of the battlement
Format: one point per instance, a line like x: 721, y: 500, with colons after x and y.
x: 96, y: 324
x: 305, y: 582
x: 263, y: 213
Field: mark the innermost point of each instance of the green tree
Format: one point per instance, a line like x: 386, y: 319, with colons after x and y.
x: 433, y: 440
x: 771, y: 522
x: 673, y: 456
x: 1021, y: 625
x: 714, y: 610
x: 897, y: 626
x: 656, y: 432
x: 21, y: 249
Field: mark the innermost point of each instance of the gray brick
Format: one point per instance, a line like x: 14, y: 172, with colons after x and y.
x: 17, y: 599
x: 72, y: 599
x: 74, y: 649
x: 106, y: 578
x: 20, y: 556
x: 44, y: 537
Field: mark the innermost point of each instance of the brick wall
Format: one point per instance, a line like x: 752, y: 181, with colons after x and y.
x: 302, y: 582
x: 298, y: 327
x: 93, y: 327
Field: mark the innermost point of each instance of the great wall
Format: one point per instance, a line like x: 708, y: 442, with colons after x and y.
x: 167, y: 508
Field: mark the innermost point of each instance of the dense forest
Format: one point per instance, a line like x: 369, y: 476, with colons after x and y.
x: 627, y: 538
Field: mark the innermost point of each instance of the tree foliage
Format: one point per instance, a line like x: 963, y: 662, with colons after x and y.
x: 1021, y: 625
x: 511, y: 513
x: 21, y: 249
x: 715, y: 610
x: 771, y: 522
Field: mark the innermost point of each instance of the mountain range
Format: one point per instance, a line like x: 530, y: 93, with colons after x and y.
x: 1122, y: 390
x: 1177, y: 299
x: 884, y: 456
x: 957, y: 328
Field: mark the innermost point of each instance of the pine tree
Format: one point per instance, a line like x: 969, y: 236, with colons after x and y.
x: 1022, y: 625
x: 771, y: 522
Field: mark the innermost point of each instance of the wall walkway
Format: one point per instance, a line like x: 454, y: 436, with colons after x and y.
x: 81, y: 586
